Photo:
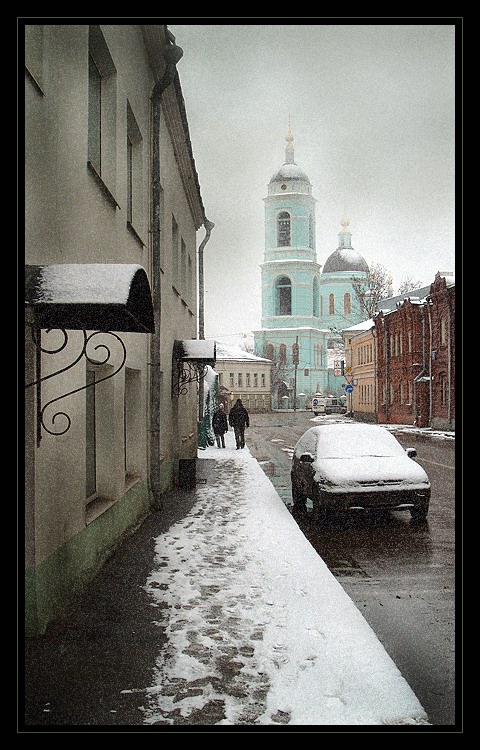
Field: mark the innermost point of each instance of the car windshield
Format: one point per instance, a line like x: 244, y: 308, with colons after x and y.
x: 354, y: 441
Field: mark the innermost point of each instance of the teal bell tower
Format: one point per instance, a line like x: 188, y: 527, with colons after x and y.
x: 291, y: 333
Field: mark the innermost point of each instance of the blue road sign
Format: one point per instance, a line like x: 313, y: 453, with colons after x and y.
x: 349, y: 388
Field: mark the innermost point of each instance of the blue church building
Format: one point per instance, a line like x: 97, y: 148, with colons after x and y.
x: 304, y: 309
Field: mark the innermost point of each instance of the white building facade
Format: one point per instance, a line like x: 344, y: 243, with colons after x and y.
x: 113, y: 206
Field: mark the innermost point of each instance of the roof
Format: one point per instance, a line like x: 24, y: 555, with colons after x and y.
x: 90, y: 296
x: 365, y: 325
x: 225, y: 352
x: 345, y: 259
x: 289, y: 172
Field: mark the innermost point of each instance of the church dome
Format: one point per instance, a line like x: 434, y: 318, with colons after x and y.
x: 289, y: 171
x: 345, y: 258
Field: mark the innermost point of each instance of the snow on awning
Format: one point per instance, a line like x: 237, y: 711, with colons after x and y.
x: 90, y: 296
x: 195, y: 350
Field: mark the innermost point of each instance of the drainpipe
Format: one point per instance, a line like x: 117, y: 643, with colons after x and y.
x: 387, y: 353
x: 430, y: 391
x: 172, y: 55
x: 201, y: 327
x: 449, y: 360
x: 422, y: 371
x: 201, y: 290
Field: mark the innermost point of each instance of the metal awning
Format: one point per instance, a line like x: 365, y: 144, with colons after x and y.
x: 90, y: 296
x: 191, y: 359
x: 195, y: 350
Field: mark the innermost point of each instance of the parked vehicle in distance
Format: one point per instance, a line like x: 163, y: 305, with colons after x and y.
x: 329, y: 405
x: 347, y: 466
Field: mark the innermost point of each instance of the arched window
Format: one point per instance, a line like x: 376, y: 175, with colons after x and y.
x: 269, y: 351
x: 283, y: 296
x: 283, y: 354
x: 347, y: 303
x: 311, y: 236
x: 331, y: 304
x: 316, y: 310
x: 283, y: 229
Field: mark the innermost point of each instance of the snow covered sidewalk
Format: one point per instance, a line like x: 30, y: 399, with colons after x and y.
x: 259, y: 631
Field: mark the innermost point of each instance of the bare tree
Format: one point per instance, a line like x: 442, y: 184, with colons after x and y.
x: 408, y: 285
x: 280, y: 370
x: 247, y: 344
x: 371, y: 289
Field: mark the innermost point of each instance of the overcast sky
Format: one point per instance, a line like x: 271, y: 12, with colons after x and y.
x: 372, y: 115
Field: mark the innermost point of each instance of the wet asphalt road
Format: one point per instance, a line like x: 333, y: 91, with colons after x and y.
x: 400, y: 574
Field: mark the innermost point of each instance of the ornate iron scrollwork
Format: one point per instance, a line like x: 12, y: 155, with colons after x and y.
x: 184, y: 373
x: 87, y: 339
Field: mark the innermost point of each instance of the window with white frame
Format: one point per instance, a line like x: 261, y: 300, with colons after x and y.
x: 262, y: 380
x: 255, y: 380
x: 247, y: 379
x: 232, y: 380
x: 240, y: 380
x: 283, y: 229
x: 347, y: 303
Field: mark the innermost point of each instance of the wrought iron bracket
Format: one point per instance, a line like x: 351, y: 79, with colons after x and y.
x: 83, y: 354
x: 185, y: 372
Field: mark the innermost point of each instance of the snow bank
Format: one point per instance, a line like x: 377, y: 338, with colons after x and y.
x: 258, y: 628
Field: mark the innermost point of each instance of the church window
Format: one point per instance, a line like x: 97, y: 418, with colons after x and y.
x: 283, y: 301
x: 283, y: 354
x: 347, y: 303
x: 283, y: 229
x: 315, y: 299
x: 311, y: 236
x: 269, y: 351
x: 331, y: 304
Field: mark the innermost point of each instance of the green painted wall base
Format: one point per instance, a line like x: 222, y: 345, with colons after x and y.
x: 55, y: 584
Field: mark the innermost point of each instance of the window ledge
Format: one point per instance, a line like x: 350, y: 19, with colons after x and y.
x: 105, y: 190
x: 131, y: 480
x: 134, y: 232
x: 96, y: 507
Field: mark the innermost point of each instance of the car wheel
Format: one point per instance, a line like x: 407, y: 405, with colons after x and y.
x: 320, y: 512
x: 299, y: 500
x: 419, y: 512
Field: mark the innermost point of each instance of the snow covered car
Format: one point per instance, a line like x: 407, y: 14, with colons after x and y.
x: 350, y: 465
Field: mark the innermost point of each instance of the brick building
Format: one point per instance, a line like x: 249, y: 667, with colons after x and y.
x: 416, y: 358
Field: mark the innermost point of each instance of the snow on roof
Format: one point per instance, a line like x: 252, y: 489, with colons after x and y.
x: 198, y: 349
x: 365, y: 325
x: 85, y: 283
x: 225, y: 352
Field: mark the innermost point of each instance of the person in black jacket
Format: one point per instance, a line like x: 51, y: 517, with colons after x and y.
x: 220, y: 425
x: 238, y: 419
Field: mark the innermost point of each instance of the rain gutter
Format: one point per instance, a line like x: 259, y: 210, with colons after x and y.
x: 422, y: 371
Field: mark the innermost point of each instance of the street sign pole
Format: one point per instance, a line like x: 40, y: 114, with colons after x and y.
x: 295, y: 381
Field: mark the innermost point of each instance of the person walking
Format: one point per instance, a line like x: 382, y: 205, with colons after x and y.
x: 239, y: 419
x: 220, y: 425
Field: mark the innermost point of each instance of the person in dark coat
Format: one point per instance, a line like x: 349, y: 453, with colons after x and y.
x: 238, y: 419
x: 220, y: 425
